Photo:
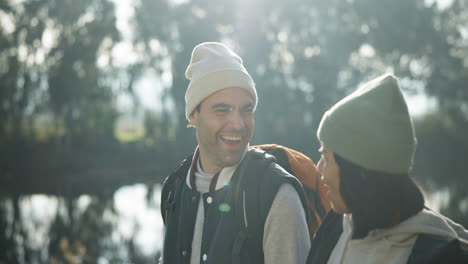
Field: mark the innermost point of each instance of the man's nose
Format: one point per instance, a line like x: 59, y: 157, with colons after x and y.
x: 236, y: 120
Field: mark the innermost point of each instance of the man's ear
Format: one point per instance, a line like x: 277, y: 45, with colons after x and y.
x: 193, y: 119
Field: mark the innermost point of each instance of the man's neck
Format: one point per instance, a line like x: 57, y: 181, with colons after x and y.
x: 200, y: 168
x: 204, y: 167
x: 212, y: 168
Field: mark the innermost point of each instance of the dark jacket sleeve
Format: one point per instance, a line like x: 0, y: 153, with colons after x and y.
x: 326, y: 238
x: 435, y: 249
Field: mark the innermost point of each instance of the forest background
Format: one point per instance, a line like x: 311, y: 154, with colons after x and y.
x: 92, y: 104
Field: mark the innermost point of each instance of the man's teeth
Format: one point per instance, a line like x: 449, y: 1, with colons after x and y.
x: 231, y: 138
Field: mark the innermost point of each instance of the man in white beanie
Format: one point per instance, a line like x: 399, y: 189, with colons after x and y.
x: 198, y: 202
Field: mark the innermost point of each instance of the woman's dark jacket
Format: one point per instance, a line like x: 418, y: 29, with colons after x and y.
x: 428, y: 248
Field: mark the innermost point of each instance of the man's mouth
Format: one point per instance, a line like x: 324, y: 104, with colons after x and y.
x: 231, y: 139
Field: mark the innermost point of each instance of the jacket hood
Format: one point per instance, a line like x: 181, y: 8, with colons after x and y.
x: 425, y: 222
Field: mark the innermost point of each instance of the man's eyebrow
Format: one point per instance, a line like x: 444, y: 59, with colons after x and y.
x: 248, y: 105
x: 221, y: 105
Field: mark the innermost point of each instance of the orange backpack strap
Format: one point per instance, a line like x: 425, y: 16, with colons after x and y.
x: 305, y: 170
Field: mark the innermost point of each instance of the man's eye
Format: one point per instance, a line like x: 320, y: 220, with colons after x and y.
x: 248, y: 109
x: 222, y: 110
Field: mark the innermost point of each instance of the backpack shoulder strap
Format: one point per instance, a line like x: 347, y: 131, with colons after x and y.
x: 171, y: 187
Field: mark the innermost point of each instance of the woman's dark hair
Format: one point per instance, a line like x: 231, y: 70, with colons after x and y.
x: 377, y: 199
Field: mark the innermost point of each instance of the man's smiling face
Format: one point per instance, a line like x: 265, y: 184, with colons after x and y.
x: 224, y: 126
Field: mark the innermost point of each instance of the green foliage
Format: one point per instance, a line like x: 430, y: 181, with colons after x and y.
x: 440, y: 162
x: 59, y: 112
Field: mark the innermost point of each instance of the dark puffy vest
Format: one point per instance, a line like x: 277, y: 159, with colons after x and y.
x: 224, y: 238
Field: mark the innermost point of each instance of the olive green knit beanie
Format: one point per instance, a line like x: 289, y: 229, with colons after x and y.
x: 372, y: 127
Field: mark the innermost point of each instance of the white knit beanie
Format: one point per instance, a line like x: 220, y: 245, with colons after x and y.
x: 213, y: 67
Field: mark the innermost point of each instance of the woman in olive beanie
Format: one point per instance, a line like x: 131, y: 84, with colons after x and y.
x: 367, y: 148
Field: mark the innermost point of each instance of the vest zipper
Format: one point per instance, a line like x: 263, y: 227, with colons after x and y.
x: 245, y: 213
x: 167, y: 209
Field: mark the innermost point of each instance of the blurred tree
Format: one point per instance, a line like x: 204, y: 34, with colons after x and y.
x: 59, y: 86
x: 440, y: 162
x: 7, y: 244
x: 49, y: 71
x: 304, y: 50
x: 81, y: 102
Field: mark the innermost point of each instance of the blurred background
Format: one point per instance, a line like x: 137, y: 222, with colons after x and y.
x: 92, y: 104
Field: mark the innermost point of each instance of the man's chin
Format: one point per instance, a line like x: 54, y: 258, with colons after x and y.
x: 232, y: 159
